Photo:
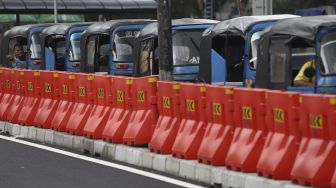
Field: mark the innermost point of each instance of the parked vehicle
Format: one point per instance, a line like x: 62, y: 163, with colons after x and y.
x: 28, y: 36
x: 108, y: 46
x: 186, y: 37
x: 289, y: 44
x: 229, y: 53
x: 61, y: 46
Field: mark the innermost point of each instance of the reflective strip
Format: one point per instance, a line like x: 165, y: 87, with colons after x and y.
x: 229, y: 91
x: 72, y: 77
x: 129, y: 82
x: 202, y: 89
x: 176, y: 87
x: 37, y: 73
x: 332, y: 101
x: 90, y: 77
x: 152, y: 80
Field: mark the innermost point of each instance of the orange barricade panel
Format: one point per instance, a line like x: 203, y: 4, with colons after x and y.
x: 65, y: 93
x: 249, y: 133
x: 282, y: 141
x: 193, y: 121
x: 80, y: 113
x: 218, y: 134
x: 17, y: 87
x: 48, y: 103
x: 315, y: 162
x: 144, y: 111
x: 9, y: 93
x: 333, y: 180
x: 32, y: 93
x: 121, y: 109
x: 2, y: 81
x: 101, y: 88
x: 169, y: 117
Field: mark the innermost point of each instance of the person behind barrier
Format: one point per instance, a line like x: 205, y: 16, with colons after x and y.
x: 306, y: 75
x: 18, y: 59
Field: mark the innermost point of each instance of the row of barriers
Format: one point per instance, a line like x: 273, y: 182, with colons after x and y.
x: 279, y: 135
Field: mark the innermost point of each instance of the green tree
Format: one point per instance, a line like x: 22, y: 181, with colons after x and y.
x: 290, y: 6
x: 186, y: 9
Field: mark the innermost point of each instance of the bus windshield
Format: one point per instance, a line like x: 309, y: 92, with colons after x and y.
x: 35, y: 46
x: 186, y: 47
x: 74, y: 48
x: 123, y: 45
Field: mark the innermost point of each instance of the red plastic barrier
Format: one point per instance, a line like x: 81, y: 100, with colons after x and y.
x: 48, y: 104
x: 144, y: 115
x: 101, y: 87
x: 169, y: 117
x: 15, y: 107
x: 281, y: 146
x: 65, y: 94
x: 83, y: 104
x: 218, y: 134
x: 316, y: 161
x: 9, y: 93
x: 193, y: 122
x: 2, y: 83
x: 30, y: 103
x: 249, y: 134
x: 121, y: 112
x: 333, y: 180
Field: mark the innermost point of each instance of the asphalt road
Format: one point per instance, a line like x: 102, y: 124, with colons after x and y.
x: 23, y: 166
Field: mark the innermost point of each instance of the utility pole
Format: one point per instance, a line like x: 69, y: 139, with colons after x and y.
x: 165, y: 39
x: 240, y: 7
x: 55, y: 11
x: 208, y: 9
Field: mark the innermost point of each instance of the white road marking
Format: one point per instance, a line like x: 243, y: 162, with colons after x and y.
x: 105, y: 163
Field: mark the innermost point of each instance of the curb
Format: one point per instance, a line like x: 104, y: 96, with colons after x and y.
x: 142, y: 157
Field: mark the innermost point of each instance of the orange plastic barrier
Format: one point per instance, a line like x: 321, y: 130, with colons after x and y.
x: 2, y: 83
x: 49, y: 102
x: 9, y: 93
x: 279, y: 152
x: 144, y: 115
x: 249, y: 134
x: 218, y: 134
x: 193, y: 122
x: 121, y: 111
x: 101, y: 88
x: 315, y: 162
x: 169, y: 117
x: 30, y: 103
x: 65, y: 94
x: 333, y: 180
x: 83, y: 103
x: 15, y: 107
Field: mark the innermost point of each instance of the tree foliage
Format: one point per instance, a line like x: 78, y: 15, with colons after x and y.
x: 186, y: 8
x: 290, y: 6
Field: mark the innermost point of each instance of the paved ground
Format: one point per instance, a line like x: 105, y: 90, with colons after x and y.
x: 30, y: 167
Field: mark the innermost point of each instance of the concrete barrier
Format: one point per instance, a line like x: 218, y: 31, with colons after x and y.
x: 2, y: 126
x: 187, y: 169
x: 24, y: 132
x: 159, y: 162
x: 40, y: 135
x: 173, y: 165
x: 146, y: 160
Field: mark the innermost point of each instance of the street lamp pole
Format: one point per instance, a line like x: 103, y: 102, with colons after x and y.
x: 55, y: 11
